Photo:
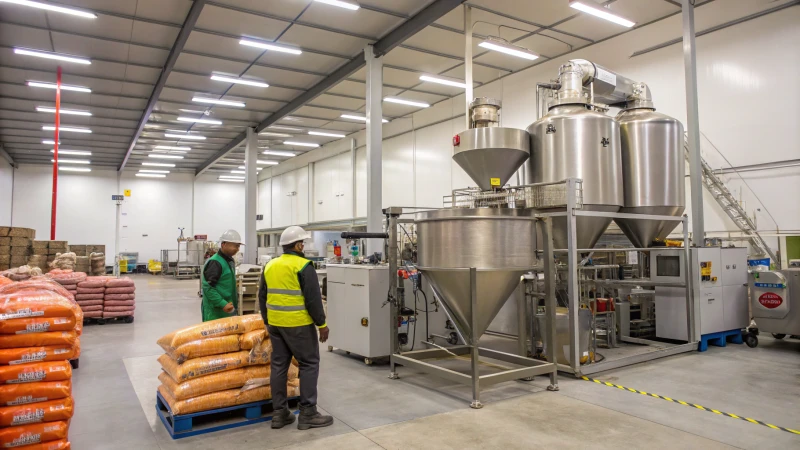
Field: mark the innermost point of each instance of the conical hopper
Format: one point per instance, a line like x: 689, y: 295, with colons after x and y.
x: 491, y: 153
x: 494, y: 287
x: 498, y: 242
x: 642, y: 233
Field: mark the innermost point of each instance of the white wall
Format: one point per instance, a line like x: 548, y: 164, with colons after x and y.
x: 6, y: 187
x: 218, y: 206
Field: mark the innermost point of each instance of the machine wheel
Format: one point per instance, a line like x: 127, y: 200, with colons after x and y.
x: 368, y: 361
x: 128, y: 319
x: 751, y: 340
x: 778, y: 335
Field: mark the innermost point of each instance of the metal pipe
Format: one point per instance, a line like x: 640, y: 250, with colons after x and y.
x: 476, y: 375
x: 55, y: 157
x: 468, y: 60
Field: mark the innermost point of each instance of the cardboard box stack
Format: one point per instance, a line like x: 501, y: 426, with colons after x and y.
x: 39, y: 333
x: 120, y: 298
x: 217, y: 364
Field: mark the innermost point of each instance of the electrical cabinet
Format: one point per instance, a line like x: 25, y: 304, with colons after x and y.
x: 290, y: 198
x: 719, y: 276
x: 333, y: 188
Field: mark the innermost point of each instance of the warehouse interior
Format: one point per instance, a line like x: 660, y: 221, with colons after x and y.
x: 539, y: 223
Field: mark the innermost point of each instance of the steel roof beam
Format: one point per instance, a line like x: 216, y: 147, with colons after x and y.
x: 425, y: 17
x: 6, y: 156
x: 180, y: 42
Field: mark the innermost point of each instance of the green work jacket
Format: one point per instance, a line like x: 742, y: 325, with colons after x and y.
x: 216, y: 297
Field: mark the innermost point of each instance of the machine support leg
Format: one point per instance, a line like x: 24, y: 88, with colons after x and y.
x: 473, y: 293
x: 522, y: 326
x: 550, y: 299
x: 392, y: 257
x: 572, y: 289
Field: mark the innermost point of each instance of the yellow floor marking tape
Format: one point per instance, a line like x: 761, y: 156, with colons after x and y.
x: 702, y: 408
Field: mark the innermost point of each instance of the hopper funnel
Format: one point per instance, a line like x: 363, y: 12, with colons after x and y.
x: 490, y: 156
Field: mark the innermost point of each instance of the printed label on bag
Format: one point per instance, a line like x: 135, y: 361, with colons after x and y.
x: 31, y: 417
x: 25, y: 399
x: 27, y: 312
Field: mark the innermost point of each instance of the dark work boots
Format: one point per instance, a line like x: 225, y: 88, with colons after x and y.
x: 310, y: 418
x: 281, y: 418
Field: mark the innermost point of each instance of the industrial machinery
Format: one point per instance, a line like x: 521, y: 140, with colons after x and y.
x: 775, y: 302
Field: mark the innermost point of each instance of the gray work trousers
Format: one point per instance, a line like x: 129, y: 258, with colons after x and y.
x: 300, y: 342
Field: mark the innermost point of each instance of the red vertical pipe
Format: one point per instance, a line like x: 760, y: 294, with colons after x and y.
x: 55, y: 156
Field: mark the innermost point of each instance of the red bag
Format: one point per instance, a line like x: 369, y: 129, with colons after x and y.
x: 120, y: 297
x: 83, y: 303
x: 85, y: 290
x: 91, y: 308
x: 51, y: 411
x: 36, y: 372
x: 121, y: 290
x: 33, y: 434
x: 119, y: 303
x: 93, y: 282
x: 118, y: 308
x: 79, y: 297
x: 111, y: 314
x: 119, y: 282
x: 93, y: 314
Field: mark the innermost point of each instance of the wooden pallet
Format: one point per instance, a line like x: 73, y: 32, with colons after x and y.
x: 719, y: 339
x: 185, y: 425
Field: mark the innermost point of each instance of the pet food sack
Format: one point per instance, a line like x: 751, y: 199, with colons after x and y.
x: 121, y: 290
x: 214, y: 400
x: 24, y: 393
x: 93, y: 282
x: 215, y: 382
x: 33, y: 433
x: 37, y: 325
x: 261, y: 353
x: 37, y: 303
x: 205, y: 365
x: 119, y: 282
x: 213, y: 328
x: 61, y: 444
x: 36, y: 372
x: 50, y: 411
x: 204, y: 347
x: 249, y: 340
x: 52, y: 338
x: 12, y: 356
x: 39, y: 283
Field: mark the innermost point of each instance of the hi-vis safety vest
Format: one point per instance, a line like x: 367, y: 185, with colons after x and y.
x: 286, y: 305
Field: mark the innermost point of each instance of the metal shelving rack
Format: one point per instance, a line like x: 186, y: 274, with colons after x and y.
x: 247, y: 287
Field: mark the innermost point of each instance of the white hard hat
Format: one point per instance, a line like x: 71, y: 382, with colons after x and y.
x: 294, y: 234
x: 231, y: 236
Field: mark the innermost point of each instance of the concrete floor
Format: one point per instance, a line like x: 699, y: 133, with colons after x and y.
x: 115, y: 387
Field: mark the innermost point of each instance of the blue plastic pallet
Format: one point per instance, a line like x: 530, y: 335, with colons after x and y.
x: 719, y: 339
x: 185, y: 425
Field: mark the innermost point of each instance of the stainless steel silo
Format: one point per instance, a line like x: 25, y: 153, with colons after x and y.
x: 574, y: 141
x: 653, y: 170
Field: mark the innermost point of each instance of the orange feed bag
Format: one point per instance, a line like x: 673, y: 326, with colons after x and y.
x: 15, y: 356
x: 33, y: 434
x: 53, y: 338
x: 24, y: 393
x: 204, y: 347
x: 37, y: 412
x: 212, y: 383
x: 61, y: 444
x: 36, y: 372
x: 213, y: 328
x: 37, y: 325
x: 220, y: 399
x: 205, y: 365
x: 249, y: 340
x: 36, y: 303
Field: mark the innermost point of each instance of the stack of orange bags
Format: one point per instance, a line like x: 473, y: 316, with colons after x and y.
x: 217, y: 364
x: 40, y: 326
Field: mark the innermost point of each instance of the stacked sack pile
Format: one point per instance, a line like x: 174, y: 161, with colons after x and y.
x: 90, y: 296
x: 221, y: 363
x: 39, y: 333
x: 120, y: 297
x: 68, y: 279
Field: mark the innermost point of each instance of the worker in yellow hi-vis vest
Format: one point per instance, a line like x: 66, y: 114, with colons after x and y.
x: 291, y: 305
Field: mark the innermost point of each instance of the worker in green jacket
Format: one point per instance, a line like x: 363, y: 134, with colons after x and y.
x: 219, y: 279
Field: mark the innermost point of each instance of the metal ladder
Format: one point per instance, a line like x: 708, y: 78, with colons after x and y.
x: 731, y: 207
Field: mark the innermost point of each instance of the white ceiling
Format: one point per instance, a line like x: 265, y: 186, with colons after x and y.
x: 129, y: 43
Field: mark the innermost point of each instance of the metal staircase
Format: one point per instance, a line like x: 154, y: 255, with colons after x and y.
x: 732, y: 207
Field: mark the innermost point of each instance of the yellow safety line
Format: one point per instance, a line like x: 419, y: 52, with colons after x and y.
x: 693, y: 405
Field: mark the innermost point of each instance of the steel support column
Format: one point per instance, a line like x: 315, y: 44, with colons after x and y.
x: 374, y: 143
x: 693, y: 123
x: 250, y: 195
x: 467, y: 60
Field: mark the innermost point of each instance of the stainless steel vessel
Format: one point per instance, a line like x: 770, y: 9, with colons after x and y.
x: 498, y: 242
x: 653, y: 173
x: 572, y: 141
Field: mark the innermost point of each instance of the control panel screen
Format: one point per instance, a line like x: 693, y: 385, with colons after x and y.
x: 668, y: 266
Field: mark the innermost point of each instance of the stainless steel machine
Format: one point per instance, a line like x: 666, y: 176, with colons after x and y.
x: 775, y: 301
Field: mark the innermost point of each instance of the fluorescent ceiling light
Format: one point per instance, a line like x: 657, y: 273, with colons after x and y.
x: 192, y: 119
x: 278, y: 127
x: 169, y: 147
x: 363, y: 119
x: 239, y: 172
x: 301, y: 144
x: 51, y: 55
x: 54, y: 8
x: 503, y: 46
x: 239, y: 81
x: 72, y: 161
x: 230, y: 177
x: 74, y: 169
x: 72, y: 152
x: 320, y: 133
x: 258, y: 169
x: 195, y: 137
x: 151, y: 175
x: 601, y: 12
x: 278, y: 153
x: 267, y: 133
x: 152, y: 171
x: 50, y: 142
x: 191, y: 111
x: 158, y: 164
x: 64, y: 87
x: 268, y: 162
x: 75, y: 112
x: 444, y: 81
x: 406, y: 102
x: 340, y: 4
x: 68, y: 129
x: 229, y: 180
x: 272, y: 47
x: 218, y: 102
x: 156, y: 155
